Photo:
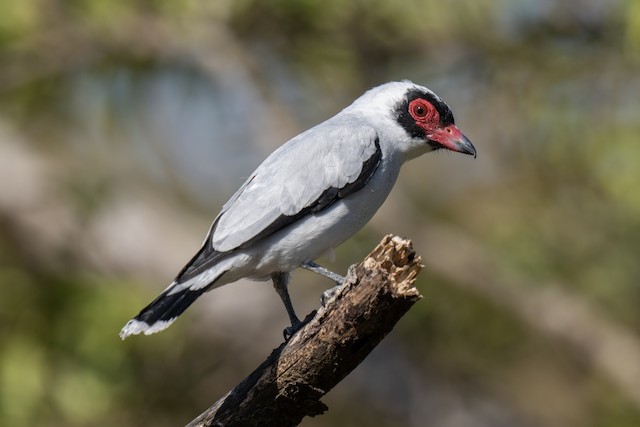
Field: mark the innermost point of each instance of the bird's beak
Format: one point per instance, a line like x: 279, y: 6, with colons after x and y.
x: 451, y: 138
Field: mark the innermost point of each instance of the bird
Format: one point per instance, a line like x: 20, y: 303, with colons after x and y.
x: 310, y: 195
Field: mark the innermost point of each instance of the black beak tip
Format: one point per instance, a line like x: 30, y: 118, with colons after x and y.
x: 467, y: 147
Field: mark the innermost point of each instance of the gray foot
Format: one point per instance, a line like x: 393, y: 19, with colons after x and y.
x: 328, y: 294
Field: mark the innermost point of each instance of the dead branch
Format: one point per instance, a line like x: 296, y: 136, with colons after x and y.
x: 289, y: 384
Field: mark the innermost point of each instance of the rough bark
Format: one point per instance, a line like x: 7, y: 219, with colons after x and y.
x: 289, y: 384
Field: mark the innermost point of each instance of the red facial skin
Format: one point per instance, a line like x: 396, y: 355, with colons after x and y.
x: 449, y: 136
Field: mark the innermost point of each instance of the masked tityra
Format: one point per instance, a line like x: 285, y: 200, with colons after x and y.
x: 310, y: 195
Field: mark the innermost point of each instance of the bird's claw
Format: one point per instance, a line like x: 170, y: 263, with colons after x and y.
x: 291, y: 330
x: 328, y: 294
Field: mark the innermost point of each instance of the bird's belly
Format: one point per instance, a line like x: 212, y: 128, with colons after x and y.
x: 313, y: 235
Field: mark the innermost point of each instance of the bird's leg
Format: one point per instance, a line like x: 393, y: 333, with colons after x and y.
x: 280, y: 282
x: 312, y: 266
x: 326, y: 295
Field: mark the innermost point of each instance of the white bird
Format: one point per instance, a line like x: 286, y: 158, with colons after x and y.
x: 310, y: 195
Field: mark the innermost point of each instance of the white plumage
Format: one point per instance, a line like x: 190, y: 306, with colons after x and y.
x: 310, y: 195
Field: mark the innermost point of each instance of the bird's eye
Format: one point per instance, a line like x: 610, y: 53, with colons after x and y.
x: 421, y: 110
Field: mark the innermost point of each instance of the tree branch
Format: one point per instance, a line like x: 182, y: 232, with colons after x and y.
x: 289, y: 384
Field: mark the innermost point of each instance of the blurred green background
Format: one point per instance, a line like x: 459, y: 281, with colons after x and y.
x: 124, y: 127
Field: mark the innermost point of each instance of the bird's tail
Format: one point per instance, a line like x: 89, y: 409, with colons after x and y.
x: 162, y: 311
x: 202, y: 273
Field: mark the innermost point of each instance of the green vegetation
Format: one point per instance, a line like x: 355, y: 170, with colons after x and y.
x: 125, y: 125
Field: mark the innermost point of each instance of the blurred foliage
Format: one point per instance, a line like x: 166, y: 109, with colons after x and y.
x: 62, y: 362
x: 551, y: 91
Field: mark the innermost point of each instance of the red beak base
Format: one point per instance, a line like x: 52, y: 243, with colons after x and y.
x: 451, y: 138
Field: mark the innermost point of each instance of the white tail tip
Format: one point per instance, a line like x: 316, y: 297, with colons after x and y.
x: 135, y: 327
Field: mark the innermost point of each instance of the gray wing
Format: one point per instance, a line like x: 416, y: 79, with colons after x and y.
x: 305, y: 175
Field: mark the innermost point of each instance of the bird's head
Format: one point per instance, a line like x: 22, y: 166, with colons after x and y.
x: 418, y: 119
